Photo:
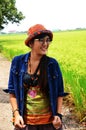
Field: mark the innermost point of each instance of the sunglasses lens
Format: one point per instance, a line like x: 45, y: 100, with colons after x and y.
x: 44, y: 40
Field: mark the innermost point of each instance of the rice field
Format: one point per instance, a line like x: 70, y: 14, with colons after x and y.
x: 69, y: 48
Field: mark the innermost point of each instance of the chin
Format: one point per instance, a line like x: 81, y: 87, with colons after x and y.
x: 41, y: 54
x: 44, y: 53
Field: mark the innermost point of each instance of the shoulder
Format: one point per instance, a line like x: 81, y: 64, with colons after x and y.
x: 53, y: 64
x: 19, y: 58
x: 52, y: 60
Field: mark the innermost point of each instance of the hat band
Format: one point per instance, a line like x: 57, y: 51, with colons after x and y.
x: 39, y: 32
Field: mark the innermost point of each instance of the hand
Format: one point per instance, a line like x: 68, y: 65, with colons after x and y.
x: 19, y: 122
x: 57, y: 122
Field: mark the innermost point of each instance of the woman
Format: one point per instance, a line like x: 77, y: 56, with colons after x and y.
x: 35, y: 85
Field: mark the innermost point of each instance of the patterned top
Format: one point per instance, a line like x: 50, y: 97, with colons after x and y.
x: 37, y: 107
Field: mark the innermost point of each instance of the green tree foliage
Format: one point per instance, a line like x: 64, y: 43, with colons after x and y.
x: 8, y: 12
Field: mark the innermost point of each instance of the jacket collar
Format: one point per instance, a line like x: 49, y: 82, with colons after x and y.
x: 26, y: 57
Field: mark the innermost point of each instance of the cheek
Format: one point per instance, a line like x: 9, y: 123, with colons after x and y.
x: 36, y: 47
x: 46, y: 46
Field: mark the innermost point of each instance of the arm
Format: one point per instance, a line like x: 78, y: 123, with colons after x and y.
x: 59, y: 104
x: 57, y: 122
x: 18, y: 120
x: 14, y: 104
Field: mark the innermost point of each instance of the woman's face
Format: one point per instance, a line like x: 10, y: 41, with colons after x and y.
x: 40, y: 45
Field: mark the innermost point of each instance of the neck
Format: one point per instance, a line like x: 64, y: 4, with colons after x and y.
x: 35, y: 57
x: 34, y: 61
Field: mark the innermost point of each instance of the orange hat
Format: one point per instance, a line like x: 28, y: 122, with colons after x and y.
x: 37, y: 30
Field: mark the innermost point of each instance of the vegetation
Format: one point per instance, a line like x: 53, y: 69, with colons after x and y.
x: 69, y: 48
x: 8, y: 12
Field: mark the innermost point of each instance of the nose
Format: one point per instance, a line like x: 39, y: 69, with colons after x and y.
x: 45, y: 42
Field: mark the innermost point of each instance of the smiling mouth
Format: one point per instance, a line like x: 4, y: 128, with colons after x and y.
x: 44, y: 49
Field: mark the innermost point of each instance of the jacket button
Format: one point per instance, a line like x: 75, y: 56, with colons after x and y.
x: 54, y: 77
x: 16, y: 73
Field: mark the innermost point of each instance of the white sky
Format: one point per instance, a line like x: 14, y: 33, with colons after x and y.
x: 53, y: 14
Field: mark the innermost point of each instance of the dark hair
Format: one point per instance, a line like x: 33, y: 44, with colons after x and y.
x: 43, y: 79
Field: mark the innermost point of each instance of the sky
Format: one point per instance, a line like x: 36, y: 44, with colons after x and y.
x: 53, y: 14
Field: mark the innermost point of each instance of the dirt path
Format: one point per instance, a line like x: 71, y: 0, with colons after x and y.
x: 5, y: 109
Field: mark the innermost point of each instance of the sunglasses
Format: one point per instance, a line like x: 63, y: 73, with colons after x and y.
x: 43, y: 40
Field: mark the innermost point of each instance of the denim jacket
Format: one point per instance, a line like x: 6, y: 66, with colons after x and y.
x: 15, y: 85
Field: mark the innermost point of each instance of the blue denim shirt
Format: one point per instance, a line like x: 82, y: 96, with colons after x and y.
x: 15, y: 85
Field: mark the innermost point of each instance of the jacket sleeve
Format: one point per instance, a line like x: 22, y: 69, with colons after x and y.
x: 60, y: 82
x: 10, y: 81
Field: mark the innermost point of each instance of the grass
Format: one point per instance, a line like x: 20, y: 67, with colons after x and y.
x: 69, y: 48
x: 12, y: 45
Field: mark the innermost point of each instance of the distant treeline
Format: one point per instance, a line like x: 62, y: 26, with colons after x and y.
x: 54, y: 30
x: 76, y: 29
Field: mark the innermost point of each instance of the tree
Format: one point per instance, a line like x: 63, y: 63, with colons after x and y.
x: 8, y: 12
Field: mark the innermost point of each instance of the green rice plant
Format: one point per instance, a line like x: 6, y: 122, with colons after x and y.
x: 13, y: 45
x: 69, y: 48
x: 76, y: 90
x: 1, y: 48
